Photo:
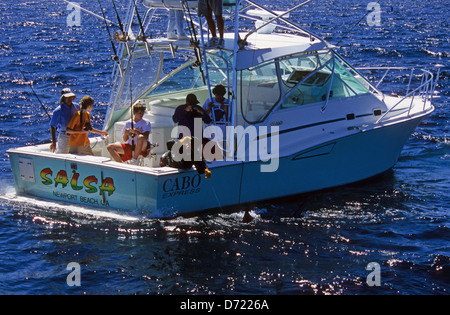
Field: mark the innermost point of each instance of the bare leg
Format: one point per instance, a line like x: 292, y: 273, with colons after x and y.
x: 211, y: 25
x: 115, y: 149
x: 220, y: 25
x: 141, y: 145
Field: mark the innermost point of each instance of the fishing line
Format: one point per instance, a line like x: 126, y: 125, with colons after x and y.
x: 31, y: 84
x: 131, y: 110
x: 217, y: 198
x: 355, y: 25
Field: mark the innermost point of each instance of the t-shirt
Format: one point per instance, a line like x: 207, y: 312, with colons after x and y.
x: 142, y: 125
x: 187, y: 119
x: 80, y: 139
x: 62, y: 115
x: 219, y: 113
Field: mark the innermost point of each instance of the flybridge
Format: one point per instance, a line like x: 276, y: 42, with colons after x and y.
x: 170, y: 4
x: 178, y: 4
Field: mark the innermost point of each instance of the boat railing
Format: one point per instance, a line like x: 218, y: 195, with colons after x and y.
x: 423, y: 92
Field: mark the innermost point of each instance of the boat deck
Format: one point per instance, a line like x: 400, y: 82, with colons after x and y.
x: 42, y: 150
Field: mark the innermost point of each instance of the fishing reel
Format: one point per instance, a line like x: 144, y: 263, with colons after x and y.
x: 196, y: 64
x: 120, y: 37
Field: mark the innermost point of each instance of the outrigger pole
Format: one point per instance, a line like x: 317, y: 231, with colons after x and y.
x: 351, y: 29
x: 115, y: 57
x: 281, y: 18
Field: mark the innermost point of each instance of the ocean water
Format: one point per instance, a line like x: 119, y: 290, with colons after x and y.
x: 319, y: 243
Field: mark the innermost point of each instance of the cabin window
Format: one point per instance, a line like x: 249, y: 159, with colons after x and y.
x: 351, y: 83
x: 185, y: 78
x: 306, y: 80
x: 258, y: 92
x: 189, y: 76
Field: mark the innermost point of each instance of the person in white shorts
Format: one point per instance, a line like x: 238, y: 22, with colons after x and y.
x: 138, y: 135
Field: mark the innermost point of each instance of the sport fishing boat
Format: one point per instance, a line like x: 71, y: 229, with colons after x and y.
x: 300, y: 118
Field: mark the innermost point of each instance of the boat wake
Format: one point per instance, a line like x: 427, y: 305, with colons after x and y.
x: 27, y: 203
x: 42, y: 209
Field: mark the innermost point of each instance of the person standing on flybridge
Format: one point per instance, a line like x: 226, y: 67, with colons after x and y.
x: 206, y: 9
x: 137, y: 134
x: 175, y: 27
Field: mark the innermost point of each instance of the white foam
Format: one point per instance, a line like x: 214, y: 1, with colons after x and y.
x: 54, y: 206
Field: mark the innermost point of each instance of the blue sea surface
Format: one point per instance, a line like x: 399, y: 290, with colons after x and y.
x: 319, y: 243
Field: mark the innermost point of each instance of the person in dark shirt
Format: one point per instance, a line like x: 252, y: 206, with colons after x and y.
x: 185, y: 116
x: 172, y: 159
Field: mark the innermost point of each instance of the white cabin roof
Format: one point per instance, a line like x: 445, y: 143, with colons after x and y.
x: 264, y: 47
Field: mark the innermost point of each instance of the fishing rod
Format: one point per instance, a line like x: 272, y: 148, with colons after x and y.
x: 131, y: 112
x: 143, y: 37
x: 114, y: 57
x: 124, y: 34
x: 31, y: 86
x: 194, y: 40
x: 191, y: 25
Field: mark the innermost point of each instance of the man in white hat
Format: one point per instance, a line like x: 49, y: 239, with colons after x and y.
x: 61, y: 117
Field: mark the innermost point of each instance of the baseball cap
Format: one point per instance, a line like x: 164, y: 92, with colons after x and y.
x: 191, y: 99
x: 66, y: 92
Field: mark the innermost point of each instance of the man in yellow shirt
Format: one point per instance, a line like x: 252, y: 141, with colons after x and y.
x: 79, y: 127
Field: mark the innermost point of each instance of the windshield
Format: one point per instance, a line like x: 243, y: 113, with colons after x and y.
x: 137, y: 75
x: 294, y: 81
x: 191, y: 76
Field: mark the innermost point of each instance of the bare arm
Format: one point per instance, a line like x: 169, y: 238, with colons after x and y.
x: 53, y: 144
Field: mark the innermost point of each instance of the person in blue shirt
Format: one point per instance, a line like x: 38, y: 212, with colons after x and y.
x: 61, y: 117
x: 217, y: 107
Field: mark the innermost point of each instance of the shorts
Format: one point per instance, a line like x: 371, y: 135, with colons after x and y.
x: 206, y: 7
x: 82, y: 149
x: 128, y: 151
x: 62, y: 146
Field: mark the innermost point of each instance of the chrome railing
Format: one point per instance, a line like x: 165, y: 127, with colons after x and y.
x: 424, y: 91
